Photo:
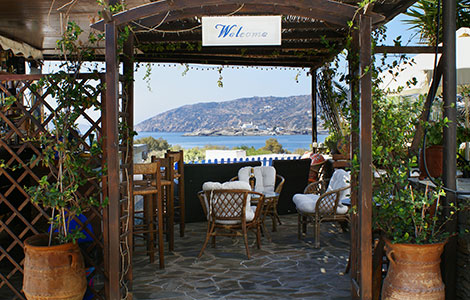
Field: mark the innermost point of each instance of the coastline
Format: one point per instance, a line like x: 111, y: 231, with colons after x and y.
x: 289, y: 142
x: 251, y: 132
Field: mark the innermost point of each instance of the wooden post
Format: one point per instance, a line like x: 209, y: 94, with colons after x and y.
x: 111, y: 136
x: 354, y: 73
x: 128, y: 70
x: 365, y: 149
x: 313, y: 72
x: 450, y: 148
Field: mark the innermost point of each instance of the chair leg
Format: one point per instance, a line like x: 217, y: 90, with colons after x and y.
x: 182, y: 208
x: 171, y: 217
x: 265, y: 232
x: 276, y: 214
x: 262, y: 218
x: 245, y: 235
x: 317, y: 233
x: 258, y: 236
x: 160, y: 229
x: 148, y: 219
x: 299, y: 225
x: 210, y: 229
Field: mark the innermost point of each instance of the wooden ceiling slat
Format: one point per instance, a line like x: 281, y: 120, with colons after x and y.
x: 182, y: 25
x: 156, y: 37
x: 268, y: 50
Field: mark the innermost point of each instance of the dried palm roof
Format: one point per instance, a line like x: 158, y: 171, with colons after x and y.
x: 176, y: 35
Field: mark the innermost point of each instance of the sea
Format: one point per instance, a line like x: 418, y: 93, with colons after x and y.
x: 288, y: 142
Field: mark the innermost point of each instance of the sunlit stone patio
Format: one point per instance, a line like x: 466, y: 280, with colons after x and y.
x: 285, y: 268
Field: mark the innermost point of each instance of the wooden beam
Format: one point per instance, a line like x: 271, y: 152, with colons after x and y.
x: 419, y: 132
x: 313, y: 73
x: 354, y: 74
x: 329, y: 11
x: 406, y: 49
x: 111, y: 137
x: 300, y: 62
x: 365, y: 179
x: 230, y: 61
x: 128, y: 71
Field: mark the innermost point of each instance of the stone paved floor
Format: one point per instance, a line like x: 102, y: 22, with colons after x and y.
x: 285, y: 268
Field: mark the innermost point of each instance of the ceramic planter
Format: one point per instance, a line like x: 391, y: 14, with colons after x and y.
x: 414, y: 272
x: 433, y: 161
x: 53, y: 272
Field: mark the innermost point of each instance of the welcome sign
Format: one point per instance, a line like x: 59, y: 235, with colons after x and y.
x: 241, y: 31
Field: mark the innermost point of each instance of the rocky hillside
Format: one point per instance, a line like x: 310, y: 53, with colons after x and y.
x: 292, y: 113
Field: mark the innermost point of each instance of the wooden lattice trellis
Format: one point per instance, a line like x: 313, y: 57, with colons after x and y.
x: 28, y: 117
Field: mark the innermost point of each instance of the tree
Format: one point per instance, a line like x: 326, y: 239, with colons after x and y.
x: 273, y: 146
x: 424, y: 18
x: 154, y: 144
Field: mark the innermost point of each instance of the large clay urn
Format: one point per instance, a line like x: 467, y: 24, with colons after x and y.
x: 53, y: 272
x: 414, y: 272
x: 434, y: 156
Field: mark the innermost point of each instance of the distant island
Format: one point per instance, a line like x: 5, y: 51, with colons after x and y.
x: 250, y: 132
x: 245, y: 116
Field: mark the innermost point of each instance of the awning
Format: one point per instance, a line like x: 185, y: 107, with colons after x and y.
x: 20, y: 49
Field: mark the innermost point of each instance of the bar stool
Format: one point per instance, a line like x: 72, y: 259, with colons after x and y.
x: 178, y: 158
x: 166, y: 187
x: 152, y: 208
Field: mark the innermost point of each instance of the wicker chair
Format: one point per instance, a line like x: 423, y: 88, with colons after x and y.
x: 228, y: 212
x: 318, y: 204
x: 268, y: 187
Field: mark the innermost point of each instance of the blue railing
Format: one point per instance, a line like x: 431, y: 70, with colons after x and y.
x: 264, y: 160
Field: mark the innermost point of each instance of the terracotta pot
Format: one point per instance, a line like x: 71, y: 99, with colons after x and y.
x: 434, y: 156
x: 55, y: 272
x: 414, y: 272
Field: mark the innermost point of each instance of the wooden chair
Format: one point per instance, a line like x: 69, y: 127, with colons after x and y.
x: 318, y: 204
x: 229, y: 214
x: 166, y: 187
x: 178, y: 158
x: 270, y: 191
x: 152, y: 208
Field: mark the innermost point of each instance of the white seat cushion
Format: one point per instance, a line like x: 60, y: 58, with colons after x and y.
x: 265, y: 178
x: 306, y: 203
x: 231, y: 185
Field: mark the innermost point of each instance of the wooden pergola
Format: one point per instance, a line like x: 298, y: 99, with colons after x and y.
x: 313, y: 32
x: 308, y: 26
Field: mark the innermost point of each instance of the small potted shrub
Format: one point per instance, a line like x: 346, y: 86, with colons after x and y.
x: 434, y: 149
x: 53, y: 266
x: 412, y: 224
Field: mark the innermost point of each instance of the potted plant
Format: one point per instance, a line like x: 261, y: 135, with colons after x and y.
x: 54, y: 266
x: 409, y: 220
x: 434, y: 149
x: 412, y: 225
